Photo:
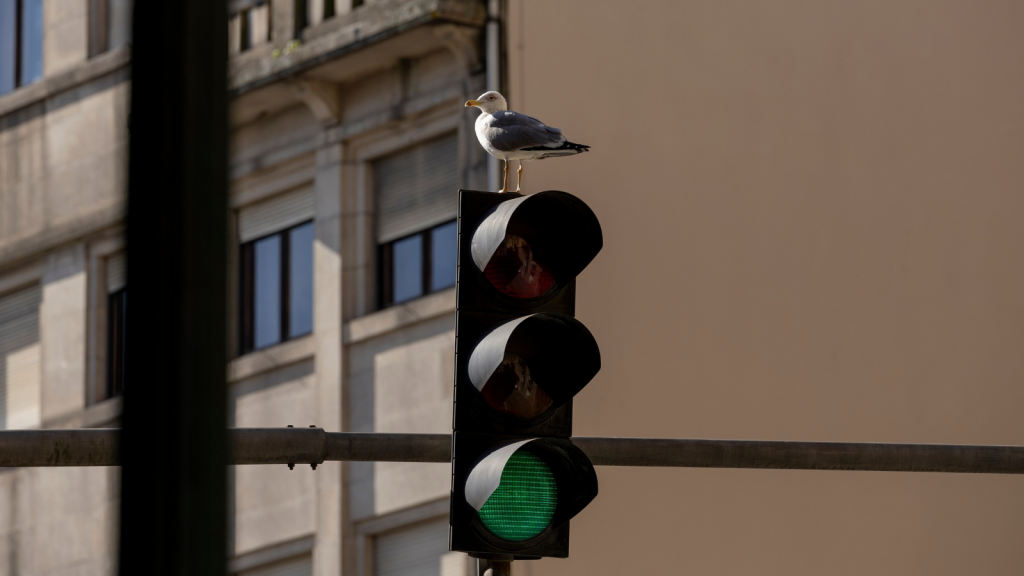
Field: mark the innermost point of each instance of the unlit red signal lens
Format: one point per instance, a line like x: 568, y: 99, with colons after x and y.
x: 524, y: 503
x: 518, y: 271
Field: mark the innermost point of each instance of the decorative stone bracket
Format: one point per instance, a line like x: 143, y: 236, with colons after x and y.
x: 463, y: 43
x: 322, y: 98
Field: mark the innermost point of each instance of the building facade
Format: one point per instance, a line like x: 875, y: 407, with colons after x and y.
x: 349, y: 141
x: 812, y: 232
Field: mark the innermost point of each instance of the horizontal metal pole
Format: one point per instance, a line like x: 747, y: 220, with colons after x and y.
x: 781, y: 455
x: 314, y: 445
x: 99, y: 447
x: 354, y: 446
x: 31, y: 448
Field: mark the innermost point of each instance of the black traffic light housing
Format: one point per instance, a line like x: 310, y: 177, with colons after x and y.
x: 521, y: 356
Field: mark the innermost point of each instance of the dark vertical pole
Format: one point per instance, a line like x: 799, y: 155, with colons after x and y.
x: 173, y: 514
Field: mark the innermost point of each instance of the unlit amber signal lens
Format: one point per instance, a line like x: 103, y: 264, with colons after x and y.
x: 512, y: 390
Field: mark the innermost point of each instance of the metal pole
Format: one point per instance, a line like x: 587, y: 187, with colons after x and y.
x: 493, y: 65
x: 32, y: 448
x: 174, y: 450
x: 314, y: 445
x: 803, y: 455
x: 498, y: 568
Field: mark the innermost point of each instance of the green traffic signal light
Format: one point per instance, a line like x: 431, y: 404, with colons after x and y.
x: 524, y: 503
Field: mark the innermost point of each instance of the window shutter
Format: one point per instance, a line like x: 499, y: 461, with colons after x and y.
x: 20, y: 367
x: 416, y: 188
x: 275, y: 214
x: 116, y: 273
x: 302, y: 566
x: 420, y: 550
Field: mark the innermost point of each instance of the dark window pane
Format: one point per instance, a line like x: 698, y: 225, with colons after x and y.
x: 245, y: 19
x: 245, y: 299
x: 267, y: 288
x: 8, y: 46
x: 407, y: 270
x: 328, y: 9
x: 31, y: 41
x: 117, y: 307
x: 443, y: 255
x: 301, y: 13
x: 300, y: 277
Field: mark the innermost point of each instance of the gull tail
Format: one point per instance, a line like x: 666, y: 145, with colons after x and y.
x: 565, y: 149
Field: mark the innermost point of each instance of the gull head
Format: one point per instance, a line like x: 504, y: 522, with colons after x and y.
x: 489, y: 102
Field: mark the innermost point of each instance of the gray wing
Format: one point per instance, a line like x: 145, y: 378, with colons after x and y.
x: 510, y: 131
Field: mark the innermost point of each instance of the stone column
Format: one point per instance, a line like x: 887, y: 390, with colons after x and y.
x: 62, y: 322
x: 329, y: 368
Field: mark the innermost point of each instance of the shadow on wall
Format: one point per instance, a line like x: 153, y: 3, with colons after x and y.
x: 400, y: 382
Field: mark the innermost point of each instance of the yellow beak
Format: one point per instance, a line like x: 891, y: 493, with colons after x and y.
x: 470, y: 103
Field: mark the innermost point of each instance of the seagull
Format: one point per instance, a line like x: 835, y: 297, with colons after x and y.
x: 510, y: 135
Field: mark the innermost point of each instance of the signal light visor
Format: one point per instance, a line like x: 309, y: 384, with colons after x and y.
x: 530, y: 246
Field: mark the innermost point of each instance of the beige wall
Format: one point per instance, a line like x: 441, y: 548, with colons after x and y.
x: 812, y: 215
x: 63, y: 166
x: 59, y: 521
x: 65, y: 39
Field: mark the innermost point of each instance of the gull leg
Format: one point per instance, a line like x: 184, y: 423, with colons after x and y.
x: 519, y: 182
x: 504, y: 186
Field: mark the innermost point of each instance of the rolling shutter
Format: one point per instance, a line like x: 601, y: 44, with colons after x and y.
x: 20, y: 366
x: 275, y: 214
x: 115, y: 273
x: 420, y: 550
x: 301, y: 566
x: 416, y: 188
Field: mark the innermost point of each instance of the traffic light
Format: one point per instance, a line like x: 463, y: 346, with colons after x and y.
x: 520, y: 358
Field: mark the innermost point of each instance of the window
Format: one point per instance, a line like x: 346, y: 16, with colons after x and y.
x: 20, y: 359
x: 301, y: 14
x: 21, y: 43
x: 110, y: 25
x: 311, y: 12
x: 117, y: 305
x: 418, y: 264
x: 417, y: 200
x: 276, y: 265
